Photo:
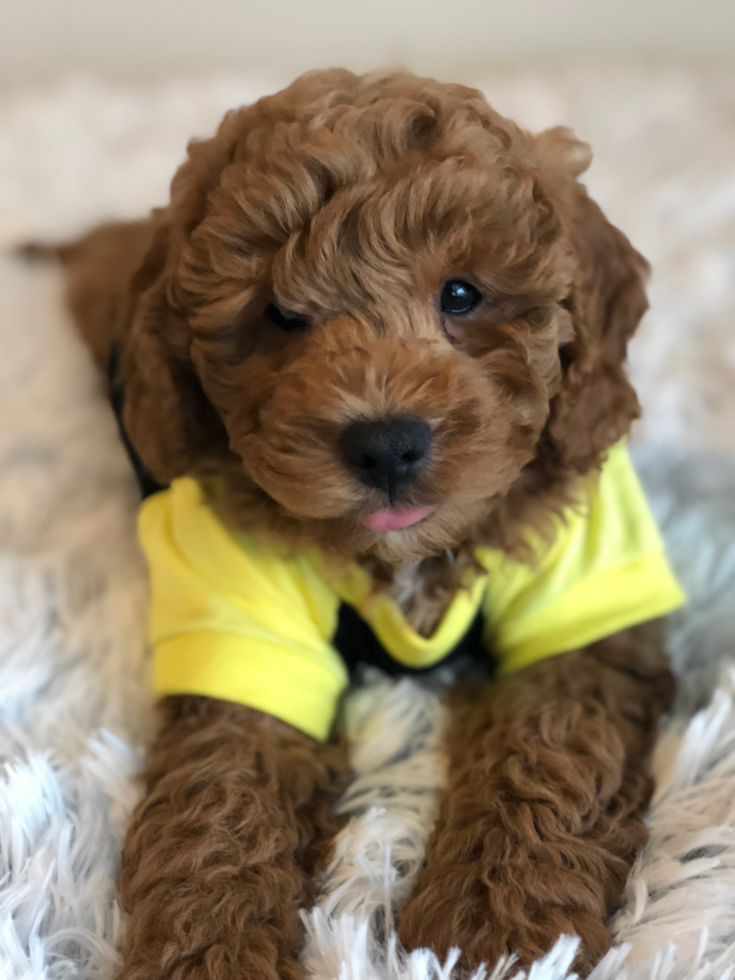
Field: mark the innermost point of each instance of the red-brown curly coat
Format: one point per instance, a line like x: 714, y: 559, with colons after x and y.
x: 350, y: 201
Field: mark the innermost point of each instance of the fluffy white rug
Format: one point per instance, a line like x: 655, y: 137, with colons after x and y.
x: 75, y: 707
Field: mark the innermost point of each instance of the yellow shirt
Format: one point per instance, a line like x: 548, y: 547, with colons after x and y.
x: 241, y: 619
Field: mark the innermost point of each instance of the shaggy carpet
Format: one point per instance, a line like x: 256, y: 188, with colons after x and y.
x: 75, y: 707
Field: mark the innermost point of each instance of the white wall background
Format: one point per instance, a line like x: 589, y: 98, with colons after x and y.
x: 140, y: 38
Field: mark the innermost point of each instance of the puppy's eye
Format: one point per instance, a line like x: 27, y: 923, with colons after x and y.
x: 287, y: 319
x: 458, y: 298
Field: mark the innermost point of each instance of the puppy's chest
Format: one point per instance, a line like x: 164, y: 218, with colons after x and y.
x: 422, y: 592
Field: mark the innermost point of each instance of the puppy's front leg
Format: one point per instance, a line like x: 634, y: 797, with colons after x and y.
x: 543, y: 815
x: 219, y: 854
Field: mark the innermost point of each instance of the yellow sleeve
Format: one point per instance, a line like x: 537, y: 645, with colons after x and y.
x: 236, y: 621
x: 606, y: 571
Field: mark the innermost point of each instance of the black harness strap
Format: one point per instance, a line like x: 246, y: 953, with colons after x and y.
x: 147, y: 483
x: 357, y: 644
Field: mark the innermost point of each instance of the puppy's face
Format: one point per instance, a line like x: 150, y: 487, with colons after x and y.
x: 376, y: 295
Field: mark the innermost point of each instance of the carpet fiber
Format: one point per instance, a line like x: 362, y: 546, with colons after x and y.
x: 75, y: 704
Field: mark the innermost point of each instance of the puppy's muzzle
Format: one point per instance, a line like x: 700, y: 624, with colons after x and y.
x: 386, y: 453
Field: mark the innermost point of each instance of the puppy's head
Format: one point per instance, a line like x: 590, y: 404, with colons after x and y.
x: 394, y: 309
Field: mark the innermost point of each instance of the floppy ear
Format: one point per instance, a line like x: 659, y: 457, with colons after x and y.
x: 596, y: 404
x: 167, y: 417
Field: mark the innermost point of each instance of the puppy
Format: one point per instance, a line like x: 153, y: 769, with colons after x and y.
x: 369, y: 361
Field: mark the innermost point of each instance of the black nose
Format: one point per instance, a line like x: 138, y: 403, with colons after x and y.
x: 386, y: 453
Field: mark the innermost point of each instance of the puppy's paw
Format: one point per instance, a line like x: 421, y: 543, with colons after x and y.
x: 484, y: 927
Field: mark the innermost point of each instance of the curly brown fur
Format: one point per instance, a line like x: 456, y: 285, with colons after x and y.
x: 543, y: 815
x: 221, y: 853
x: 350, y: 201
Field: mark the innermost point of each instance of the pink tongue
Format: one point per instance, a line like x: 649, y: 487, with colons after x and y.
x: 395, y: 518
